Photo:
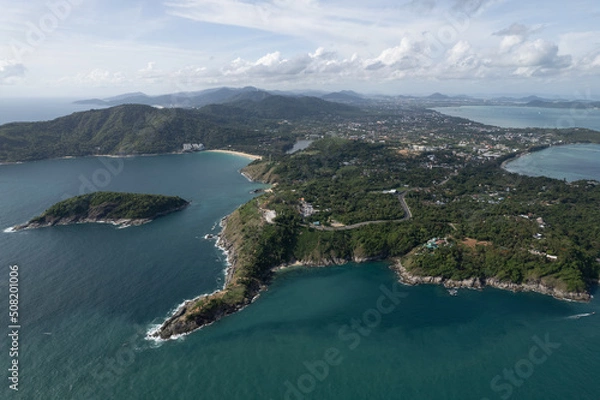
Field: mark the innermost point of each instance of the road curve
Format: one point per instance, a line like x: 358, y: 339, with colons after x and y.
x: 407, y: 215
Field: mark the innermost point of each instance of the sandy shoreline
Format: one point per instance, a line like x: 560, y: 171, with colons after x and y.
x: 237, y: 153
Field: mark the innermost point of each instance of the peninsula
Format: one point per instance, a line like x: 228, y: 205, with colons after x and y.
x: 438, y: 218
x: 121, y: 209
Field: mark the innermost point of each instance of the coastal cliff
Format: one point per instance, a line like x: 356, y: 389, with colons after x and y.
x: 121, y: 209
x: 538, y: 286
x: 254, y: 249
x: 242, y: 283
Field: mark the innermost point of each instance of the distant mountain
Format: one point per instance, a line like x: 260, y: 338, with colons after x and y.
x: 505, y: 99
x: 141, y: 129
x: 346, y: 97
x: 532, y: 98
x: 277, y: 107
x: 182, y: 99
x: 438, y: 96
x: 580, y: 105
x: 127, y: 95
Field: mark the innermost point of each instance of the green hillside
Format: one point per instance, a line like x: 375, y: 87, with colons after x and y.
x: 109, y: 206
x: 138, y: 129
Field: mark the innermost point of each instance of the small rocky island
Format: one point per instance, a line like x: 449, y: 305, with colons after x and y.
x: 121, y: 209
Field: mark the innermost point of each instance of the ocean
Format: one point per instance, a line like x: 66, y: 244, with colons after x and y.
x: 42, y: 109
x: 528, y: 117
x: 88, y: 295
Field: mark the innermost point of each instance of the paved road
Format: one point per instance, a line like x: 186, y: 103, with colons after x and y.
x: 407, y: 215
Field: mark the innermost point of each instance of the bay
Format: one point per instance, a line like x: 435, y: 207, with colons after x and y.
x: 90, y: 293
x: 570, y: 162
x: 527, y: 117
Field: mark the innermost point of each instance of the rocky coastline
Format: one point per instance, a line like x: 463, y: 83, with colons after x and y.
x: 178, y: 324
x: 412, y: 279
x: 181, y: 322
x: 206, y: 309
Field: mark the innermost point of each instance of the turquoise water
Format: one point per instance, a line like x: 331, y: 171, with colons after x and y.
x: 89, y: 294
x: 527, y: 117
x: 570, y: 162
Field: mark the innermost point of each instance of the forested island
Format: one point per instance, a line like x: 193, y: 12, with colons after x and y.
x: 464, y: 224
x: 121, y: 209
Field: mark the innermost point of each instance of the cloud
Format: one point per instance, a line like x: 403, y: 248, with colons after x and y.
x: 580, y: 43
x: 420, y: 6
x: 519, y: 30
x: 540, y: 53
x: 408, y: 60
x: 590, y: 63
x: 513, y: 30
x: 356, y: 26
x: 97, y: 77
x: 304, y: 43
x: 471, y: 7
x: 529, y: 57
x: 11, y: 72
x: 515, y: 34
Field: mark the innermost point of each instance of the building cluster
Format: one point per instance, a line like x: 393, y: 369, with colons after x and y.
x: 190, y: 147
x: 307, y: 209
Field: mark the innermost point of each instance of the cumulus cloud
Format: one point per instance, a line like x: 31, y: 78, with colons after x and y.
x: 409, y: 59
x: 528, y: 57
x: 11, y: 72
x: 515, y: 34
x: 540, y: 53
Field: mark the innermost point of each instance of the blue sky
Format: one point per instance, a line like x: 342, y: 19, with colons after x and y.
x: 87, y: 48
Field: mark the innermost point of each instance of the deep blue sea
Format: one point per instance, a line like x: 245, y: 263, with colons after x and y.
x: 528, y: 117
x: 90, y: 293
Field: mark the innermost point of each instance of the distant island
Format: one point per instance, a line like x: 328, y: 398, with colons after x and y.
x: 121, y: 209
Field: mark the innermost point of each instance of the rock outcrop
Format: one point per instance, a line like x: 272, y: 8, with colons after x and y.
x: 410, y: 278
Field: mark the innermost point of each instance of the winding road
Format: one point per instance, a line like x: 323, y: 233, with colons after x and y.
x: 407, y: 215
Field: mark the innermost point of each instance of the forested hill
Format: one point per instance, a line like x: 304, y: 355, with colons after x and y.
x: 253, y: 126
x: 118, y: 208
